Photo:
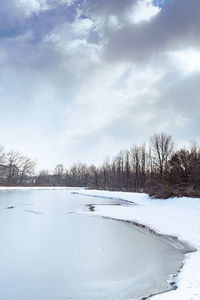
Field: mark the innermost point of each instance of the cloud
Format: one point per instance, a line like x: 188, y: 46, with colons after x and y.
x: 187, y: 60
x: 175, y: 26
x: 143, y: 11
x: 90, y: 77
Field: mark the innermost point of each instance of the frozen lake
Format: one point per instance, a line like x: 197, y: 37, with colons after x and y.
x: 46, y: 252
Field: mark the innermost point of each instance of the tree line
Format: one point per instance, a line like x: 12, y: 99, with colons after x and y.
x: 157, y: 167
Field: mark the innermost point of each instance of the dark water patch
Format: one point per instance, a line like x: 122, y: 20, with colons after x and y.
x: 92, y: 207
x: 10, y: 207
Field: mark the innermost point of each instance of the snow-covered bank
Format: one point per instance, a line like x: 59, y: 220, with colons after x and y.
x: 177, y: 216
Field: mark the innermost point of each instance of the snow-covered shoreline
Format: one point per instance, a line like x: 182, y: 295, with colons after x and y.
x: 175, y: 216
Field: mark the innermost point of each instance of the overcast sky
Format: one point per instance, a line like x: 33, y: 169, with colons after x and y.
x: 82, y: 79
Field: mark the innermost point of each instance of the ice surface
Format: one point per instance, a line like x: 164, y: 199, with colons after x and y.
x: 26, y: 188
x: 48, y: 253
x: 175, y: 216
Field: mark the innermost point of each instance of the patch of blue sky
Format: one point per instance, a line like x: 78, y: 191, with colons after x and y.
x: 11, y: 32
x: 161, y: 3
x: 42, y: 23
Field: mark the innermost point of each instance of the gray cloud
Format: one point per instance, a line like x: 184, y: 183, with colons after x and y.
x: 105, y: 8
x: 176, y: 25
x: 87, y: 85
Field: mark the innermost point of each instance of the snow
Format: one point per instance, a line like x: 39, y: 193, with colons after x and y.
x: 175, y: 216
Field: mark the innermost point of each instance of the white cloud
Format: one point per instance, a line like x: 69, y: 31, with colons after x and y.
x: 33, y: 6
x: 68, y: 2
x: 82, y: 26
x: 104, y: 100
x: 78, y: 55
x: 30, y: 7
x: 113, y: 21
x: 187, y: 60
x: 143, y: 11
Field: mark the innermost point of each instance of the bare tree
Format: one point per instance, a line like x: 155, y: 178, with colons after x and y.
x: 19, y: 166
x: 43, y: 173
x: 59, y: 170
x: 136, y: 167
x: 94, y: 176
x: 14, y: 160
x: 27, y: 167
x: 162, y: 148
x: 128, y: 170
x: 43, y: 178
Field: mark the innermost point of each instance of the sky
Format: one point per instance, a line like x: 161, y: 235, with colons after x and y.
x: 83, y: 79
